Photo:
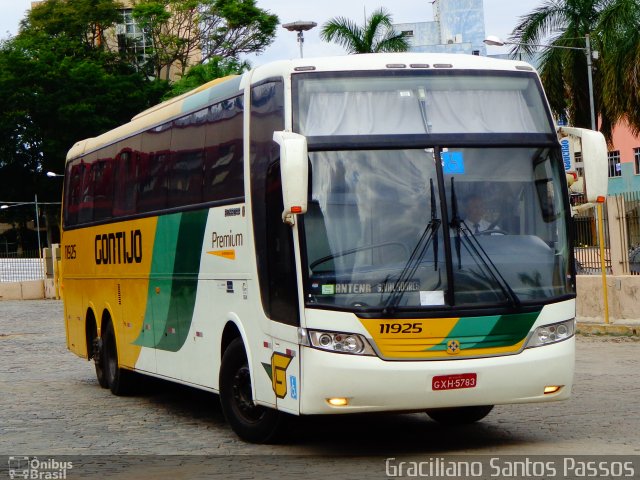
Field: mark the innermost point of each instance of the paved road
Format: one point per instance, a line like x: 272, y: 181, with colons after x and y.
x: 51, y: 405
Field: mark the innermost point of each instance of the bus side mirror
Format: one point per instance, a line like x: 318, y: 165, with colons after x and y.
x: 594, y: 159
x: 294, y: 173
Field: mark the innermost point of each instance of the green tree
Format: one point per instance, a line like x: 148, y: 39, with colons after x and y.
x: 236, y: 27
x: 57, y: 88
x: 200, y: 74
x: 213, y: 28
x: 84, y: 21
x: 614, y: 30
x: 377, y: 34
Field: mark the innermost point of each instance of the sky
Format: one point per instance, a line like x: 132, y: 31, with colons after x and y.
x: 500, y: 17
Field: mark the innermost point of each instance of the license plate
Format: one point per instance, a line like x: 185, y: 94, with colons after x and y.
x: 454, y: 382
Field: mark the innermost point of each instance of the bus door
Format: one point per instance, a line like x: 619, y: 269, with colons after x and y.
x: 280, y: 297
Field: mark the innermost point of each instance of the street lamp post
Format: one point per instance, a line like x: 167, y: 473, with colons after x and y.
x: 495, y: 41
x: 300, y: 26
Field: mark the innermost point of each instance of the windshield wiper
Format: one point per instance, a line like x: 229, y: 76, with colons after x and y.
x: 429, y: 234
x: 477, y: 251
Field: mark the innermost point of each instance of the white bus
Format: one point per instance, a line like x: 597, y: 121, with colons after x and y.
x: 306, y: 239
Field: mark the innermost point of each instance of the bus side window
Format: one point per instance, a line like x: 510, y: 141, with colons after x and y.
x: 85, y: 212
x: 103, y: 188
x: 223, y: 165
x: 124, y: 201
x: 73, y: 191
x: 152, y: 189
x: 224, y: 176
x: 184, y: 180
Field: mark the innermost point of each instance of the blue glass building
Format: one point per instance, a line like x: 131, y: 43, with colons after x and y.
x: 458, y: 27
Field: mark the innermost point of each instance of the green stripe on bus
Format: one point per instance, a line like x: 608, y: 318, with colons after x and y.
x: 159, y: 290
x: 489, y: 332
x: 509, y: 330
x: 174, y: 270
x: 185, y: 280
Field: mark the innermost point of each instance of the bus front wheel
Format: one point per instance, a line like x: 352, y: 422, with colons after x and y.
x: 459, y: 415
x: 249, y: 421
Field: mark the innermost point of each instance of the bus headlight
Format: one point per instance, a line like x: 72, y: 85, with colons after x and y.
x: 556, y: 332
x: 340, y: 342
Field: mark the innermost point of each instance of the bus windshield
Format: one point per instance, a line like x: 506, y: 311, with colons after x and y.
x: 377, y: 220
x: 432, y: 101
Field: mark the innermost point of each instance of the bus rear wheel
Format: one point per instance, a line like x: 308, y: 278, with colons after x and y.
x: 249, y: 421
x: 98, y: 360
x: 118, y: 379
x: 459, y: 415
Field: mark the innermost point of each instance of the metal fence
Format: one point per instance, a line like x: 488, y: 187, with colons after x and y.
x: 587, y: 246
x: 20, y: 267
x: 627, y: 206
x: 585, y: 234
x: 632, y: 218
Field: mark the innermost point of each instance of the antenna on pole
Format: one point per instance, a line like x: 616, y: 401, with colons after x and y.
x: 300, y: 26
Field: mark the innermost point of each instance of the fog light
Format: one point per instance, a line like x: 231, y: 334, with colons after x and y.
x: 552, y: 389
x: 338, y: 402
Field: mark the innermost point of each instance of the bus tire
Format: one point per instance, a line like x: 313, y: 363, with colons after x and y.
x: 118, y: 379
x: 98, y: 360
x: 459, y: 415
x: 250, y: 422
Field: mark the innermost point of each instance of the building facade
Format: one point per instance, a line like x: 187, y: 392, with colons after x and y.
x: 458, y: 27
x: 624, y: 161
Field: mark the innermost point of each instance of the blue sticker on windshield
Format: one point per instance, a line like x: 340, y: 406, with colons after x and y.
x: 453, y: 163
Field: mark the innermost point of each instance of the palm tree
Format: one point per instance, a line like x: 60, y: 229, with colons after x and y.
x: 614, y: 28
x: 620, y: 65
x: 563, y: 72
x: 377, y: 34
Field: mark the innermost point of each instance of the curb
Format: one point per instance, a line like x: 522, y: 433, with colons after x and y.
x: 608, y: 329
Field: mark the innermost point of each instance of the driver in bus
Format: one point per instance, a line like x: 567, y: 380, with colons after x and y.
x: 475, y: 214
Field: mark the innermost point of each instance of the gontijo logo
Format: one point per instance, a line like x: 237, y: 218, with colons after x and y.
x: 118, y: 247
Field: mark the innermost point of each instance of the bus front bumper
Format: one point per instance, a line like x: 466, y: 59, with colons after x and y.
x: 370, y: 384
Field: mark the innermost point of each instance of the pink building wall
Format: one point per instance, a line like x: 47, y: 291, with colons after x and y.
x: 625, y: 141
x: 629, y: 179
